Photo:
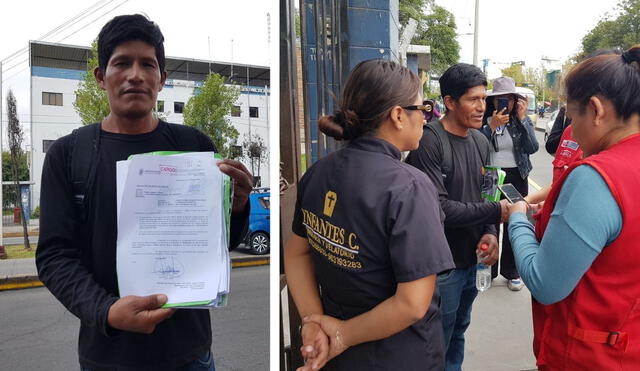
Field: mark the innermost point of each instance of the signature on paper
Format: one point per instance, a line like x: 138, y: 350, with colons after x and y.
x: 167, y: 267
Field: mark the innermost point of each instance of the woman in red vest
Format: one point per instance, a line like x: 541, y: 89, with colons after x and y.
x: 581, y: 263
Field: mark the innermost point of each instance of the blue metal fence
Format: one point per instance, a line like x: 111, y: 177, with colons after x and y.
x: 336, y: 36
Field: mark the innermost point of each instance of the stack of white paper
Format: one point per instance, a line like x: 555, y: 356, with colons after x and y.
x: 173, y: 220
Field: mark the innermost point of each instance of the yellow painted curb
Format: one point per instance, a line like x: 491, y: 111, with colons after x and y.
x: 19, y: 234
x: 534, y: 184
x: 20, y: 285
x: 250, y: 263
x: 37, y: 283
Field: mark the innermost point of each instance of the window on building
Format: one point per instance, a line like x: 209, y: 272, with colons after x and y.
x: 178, y: 107
x: 253, y: 112
x: 51, y: 99
x: 235, y: 111
x: 160, y: 106
x: 46, y: 144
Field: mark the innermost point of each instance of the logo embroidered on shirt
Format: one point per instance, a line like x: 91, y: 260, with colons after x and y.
x: 330, y: 200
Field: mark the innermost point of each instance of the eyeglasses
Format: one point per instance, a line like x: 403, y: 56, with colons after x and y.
x: 426, y: 107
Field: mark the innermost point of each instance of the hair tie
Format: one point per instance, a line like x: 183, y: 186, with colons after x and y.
x: 346, y: 121
x: 341, y: 119
x: 627, y: 57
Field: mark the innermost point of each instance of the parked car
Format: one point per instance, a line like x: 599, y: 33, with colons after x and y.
x: 549, y: 125
x: 259, y: 222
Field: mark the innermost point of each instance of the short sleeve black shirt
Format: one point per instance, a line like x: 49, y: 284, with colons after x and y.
x: 468, y: 216
x: 77, y: 262
x: 371, y: 222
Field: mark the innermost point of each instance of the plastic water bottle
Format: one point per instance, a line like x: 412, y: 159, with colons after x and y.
x: 483, y: 273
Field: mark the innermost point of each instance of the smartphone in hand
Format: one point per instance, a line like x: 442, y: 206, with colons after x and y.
x: 511, y: 193
x: 503, y: 103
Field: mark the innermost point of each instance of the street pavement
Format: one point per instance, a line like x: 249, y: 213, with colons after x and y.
x: 500, y: 336
x: 38, y: 333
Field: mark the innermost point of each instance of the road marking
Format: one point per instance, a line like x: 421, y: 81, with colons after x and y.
x: 534, y: 184
x: 251, y: 263
x: 21, y: 285
x: 36, y: 283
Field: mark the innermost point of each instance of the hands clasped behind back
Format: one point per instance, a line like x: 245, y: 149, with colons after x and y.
x: 327, y: 340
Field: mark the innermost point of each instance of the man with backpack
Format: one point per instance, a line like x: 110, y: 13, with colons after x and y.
x: 453, y: 153
x: 76, y: 256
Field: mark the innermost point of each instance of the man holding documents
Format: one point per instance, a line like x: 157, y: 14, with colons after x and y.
x: 76, y: 256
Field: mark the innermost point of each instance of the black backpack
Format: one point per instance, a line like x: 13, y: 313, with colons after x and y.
x: 445, y: 146
x: 84, y: 156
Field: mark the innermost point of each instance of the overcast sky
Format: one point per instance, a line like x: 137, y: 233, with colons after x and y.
x: 192, y: 29
x: 525, y: 29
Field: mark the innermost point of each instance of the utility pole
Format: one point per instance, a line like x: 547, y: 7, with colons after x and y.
x: 1, y: 175
x: 268, y: 39
x: 231, y: 77
x: 544, y: 77
x: 475, y: 34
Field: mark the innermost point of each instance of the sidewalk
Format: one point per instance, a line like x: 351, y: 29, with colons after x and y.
x: 542, y: 123
x: 33, y: 229
x: 22, y: 273
x: 500, y: 336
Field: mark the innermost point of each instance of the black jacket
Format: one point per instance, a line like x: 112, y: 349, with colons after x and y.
x: 553, y: 139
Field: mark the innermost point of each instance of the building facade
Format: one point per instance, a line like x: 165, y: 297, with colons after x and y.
x: 57, y: 70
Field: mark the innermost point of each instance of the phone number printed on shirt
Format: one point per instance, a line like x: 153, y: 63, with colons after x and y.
x: 331, y: 241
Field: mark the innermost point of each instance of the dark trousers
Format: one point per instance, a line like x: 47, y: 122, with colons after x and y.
x: 507, y: 261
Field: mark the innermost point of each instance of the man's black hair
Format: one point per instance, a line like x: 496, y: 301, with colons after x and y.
x: 125, y: 28
x: 459, y: 78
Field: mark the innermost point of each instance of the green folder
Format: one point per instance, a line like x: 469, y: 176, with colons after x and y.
x: 492, y: 177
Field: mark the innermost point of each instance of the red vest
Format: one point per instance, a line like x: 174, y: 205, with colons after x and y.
x: 567, y: 153
x: 597, y: 327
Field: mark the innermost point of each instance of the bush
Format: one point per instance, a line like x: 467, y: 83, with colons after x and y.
x: 36, y: 213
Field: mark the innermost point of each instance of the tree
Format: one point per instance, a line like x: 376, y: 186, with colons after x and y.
x: 255, y: 151
x: 9, y: 192
x: 611, y: 32
x: 412, y: 9
x: 515, y: 72
x: 15, y: 147
x: 208, y: 111
x: 436, y: 28
x: 91, y: 101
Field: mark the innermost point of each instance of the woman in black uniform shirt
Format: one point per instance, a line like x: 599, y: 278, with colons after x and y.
x: 368, y: 235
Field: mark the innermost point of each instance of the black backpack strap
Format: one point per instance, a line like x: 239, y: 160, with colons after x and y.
x: 481, y: 142
x: 84, y: 158
x: 445, y: 148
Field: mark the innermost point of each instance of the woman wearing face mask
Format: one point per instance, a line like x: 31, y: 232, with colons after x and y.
x: 513, y: 139
x: 368, y: 235
x: 581, y: 263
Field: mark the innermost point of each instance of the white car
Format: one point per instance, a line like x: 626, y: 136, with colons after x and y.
x: 549, y: 126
